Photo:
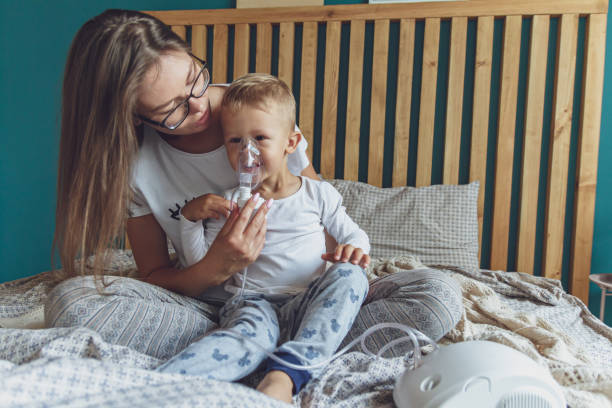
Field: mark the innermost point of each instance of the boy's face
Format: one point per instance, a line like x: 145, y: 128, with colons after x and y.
x: 268, y: 127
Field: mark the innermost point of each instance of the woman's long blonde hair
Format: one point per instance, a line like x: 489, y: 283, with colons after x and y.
x: 107, y: 61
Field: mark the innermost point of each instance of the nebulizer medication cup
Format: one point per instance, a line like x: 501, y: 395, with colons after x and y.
x: 250, y: 170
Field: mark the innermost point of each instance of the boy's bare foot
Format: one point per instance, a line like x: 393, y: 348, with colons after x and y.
x: 277, y: 384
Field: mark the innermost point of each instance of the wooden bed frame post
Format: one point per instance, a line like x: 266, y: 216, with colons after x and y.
x: 588, y: 148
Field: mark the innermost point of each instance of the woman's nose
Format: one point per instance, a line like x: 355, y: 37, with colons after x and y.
x: 197, y: 104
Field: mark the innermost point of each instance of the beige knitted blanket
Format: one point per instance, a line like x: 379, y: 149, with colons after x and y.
x: 535, y: 316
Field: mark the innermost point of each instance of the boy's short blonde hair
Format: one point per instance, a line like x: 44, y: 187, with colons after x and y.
x: 259, y: 90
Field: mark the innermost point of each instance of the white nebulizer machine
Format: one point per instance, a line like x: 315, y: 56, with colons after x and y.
x: 477, y: 374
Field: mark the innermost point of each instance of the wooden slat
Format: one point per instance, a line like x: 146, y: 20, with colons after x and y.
x: 428, y: 101
x: 403, y: 102
x: 285, y: 53
x: 454, y: 108
x: 532, y: 145
x: 505, y: 143
x: 588, y: 146
x: 480, y: 112
x: 560, y: 146
x: 219, y: 74
x: 180, y: 30
x: 353, y: 103
x: 198, y: 41
x: 473, y: 8
x: 276, y: 3
x: 308, y: 83
x: 378, y: 102
x: 241, y: 50
x: 330, y: 100
x: 263, y: 56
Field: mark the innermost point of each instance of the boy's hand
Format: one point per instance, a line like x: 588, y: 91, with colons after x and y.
x: 348, y: 253
x: 207, y: 206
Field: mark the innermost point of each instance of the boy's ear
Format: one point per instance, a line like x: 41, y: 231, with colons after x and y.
x: 292, y: 143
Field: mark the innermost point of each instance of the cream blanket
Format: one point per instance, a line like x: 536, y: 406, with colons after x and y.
x: 535, y: 316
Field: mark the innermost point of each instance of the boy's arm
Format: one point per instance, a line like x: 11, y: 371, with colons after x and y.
x: 193, y: 217
x: 338, y: 223
x: 192, y: 241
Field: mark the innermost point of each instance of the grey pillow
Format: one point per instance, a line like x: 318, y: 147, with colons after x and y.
x: 437, y: 224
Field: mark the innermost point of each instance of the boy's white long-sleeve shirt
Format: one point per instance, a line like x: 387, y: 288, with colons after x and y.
x: 295, y: 240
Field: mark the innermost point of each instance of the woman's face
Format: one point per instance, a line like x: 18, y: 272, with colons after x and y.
x: 166, y: 85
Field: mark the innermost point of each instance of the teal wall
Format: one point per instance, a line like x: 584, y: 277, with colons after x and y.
x: 602, y: 242
x: 34, y: 39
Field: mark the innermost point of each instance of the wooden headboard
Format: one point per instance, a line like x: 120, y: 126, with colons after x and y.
x: 507, y: 92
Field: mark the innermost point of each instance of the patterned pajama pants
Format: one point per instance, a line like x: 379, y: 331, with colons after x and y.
x: 162, y: 324
x: 309, y: 326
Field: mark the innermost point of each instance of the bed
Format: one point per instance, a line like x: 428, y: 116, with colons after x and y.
x: 462, y: 135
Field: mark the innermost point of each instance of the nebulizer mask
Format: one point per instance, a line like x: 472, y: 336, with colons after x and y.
x: 250, y: 171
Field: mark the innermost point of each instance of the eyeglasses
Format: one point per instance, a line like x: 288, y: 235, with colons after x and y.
x: 176, y: 116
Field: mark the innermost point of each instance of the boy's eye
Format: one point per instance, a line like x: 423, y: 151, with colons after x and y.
x: 259, y: 138
x: 235, y: 140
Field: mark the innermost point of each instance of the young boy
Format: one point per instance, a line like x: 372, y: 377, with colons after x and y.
x: 289, y: 297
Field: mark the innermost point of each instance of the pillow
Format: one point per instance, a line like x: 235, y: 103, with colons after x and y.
x: 437, y: 224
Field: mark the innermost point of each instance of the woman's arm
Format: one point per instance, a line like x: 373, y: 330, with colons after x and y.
x: 237, y: 245
x: 310, y: 172
x: 150, y: 250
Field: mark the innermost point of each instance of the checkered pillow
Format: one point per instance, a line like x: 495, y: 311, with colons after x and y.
x: 437, y: 224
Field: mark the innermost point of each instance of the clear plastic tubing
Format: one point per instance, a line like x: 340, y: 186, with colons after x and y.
x: 412, y: 334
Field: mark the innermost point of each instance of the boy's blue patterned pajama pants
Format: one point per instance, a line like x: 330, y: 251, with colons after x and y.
x: 310, y: 326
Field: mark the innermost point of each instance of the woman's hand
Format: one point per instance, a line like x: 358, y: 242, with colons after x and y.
x: 207, y: 206
x: 240, y: 241
x: 348, y: 253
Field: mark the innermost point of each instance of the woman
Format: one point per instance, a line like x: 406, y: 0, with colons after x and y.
x: 140, y: 135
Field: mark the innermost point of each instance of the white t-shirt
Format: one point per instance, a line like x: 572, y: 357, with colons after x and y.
x: 295, y: 241
x: 165, y: 178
